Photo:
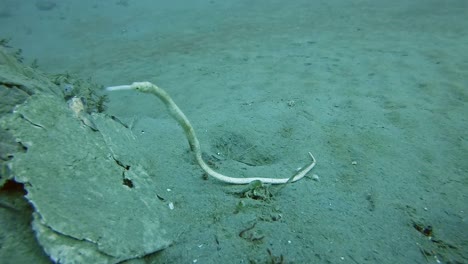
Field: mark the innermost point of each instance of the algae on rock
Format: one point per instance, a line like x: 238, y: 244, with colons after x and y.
x: 84, y: 207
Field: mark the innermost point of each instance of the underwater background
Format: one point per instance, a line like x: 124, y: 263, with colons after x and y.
x: 376, y: 90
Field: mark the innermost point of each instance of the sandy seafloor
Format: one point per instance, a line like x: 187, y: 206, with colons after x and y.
x: 376, y: 90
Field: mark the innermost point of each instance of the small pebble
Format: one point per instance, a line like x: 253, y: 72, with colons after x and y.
x: 315, y: 177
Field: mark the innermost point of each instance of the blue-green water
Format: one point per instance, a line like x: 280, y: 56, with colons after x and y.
x: 376, y: 90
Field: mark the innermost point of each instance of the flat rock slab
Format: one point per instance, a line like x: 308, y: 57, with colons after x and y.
x: 93, y: 197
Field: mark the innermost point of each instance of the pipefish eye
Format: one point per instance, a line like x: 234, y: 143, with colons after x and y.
x: 68, y: 88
